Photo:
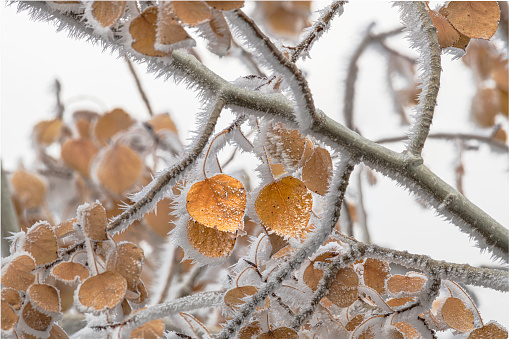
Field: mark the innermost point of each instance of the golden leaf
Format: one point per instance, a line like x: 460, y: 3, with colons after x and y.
x: 28, y: 188
x: 446, y: 34
x: 218, y: 202
x: 317, y: 171
x: 376, y: 272
x: 284, y: 206
x: 119, y: 168
x: 48, y: 131
x: 128, y: 261
x: 226, y: 5
x: 107, y: 12
x: 93, y: 221
x: 475, y: 19
x: 192, y: 12
x: 18, y: 274
x: 41, y: 243
x: 110, y: 124
x: 78, y: 154
x: 103, y: 291
x: 396, y: 302
x: 492, y: 331
x: 143, y: 32
x: 234, y: 297
x: 286, y: 145
x: 65, y: 227
x: 457, y: 315
x: 209, y: 241
x: 343, y: 290
x: 70, y: 271
x: 152, y: 330
x: 405, y: 283
x: 45, y: 297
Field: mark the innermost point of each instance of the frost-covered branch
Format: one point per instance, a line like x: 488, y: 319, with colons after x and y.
x: 313, y: 33
x: 334, y: 198
x: 424, y: 37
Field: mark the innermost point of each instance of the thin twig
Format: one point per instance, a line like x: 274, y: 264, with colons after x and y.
x: 138, y: 85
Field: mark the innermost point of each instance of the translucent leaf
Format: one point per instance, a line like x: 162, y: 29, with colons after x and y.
x: 343, y: 290
x: 103, y: 291
x: 446, y: 34
x: 106, y: 13
x: 9, y: 317
x: 280, y: 333
x: 317, y: 171
x: 152, y: 330
x: 457, y: 315
x: 234, y: 297
x: 376, y: 272
x: 192, y: 12
x: 110, y: 124
x: 41, y: 242
x: 92, y: 218
x: 78, y: 154
x: 209, y: 241
x: 127, y: 260
x: 70, y: 272
x: 405, y: 283
x: 143, y: 33
x: 18, y: 273
x: 35, y: 319
x: 475, y: 19
x: 45, y: 297
x: 29, y: 188
x: 48, y: 131
x: 492, y: 330
x: 119, y: 168
x: 218, y: 202
x: 226, y: 5
x: 284, y: 206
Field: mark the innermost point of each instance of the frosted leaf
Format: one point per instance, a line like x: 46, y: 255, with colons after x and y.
x: 169, y: 34
x: 92, y: 218
x: 216, y: 33
x: 492, y: 330
x: 376, y: 273
x: 475, y: 19
x: 226, y: 5
x: 209, y: 241
x: 280, y: 333
x: 41, y: 242
x: 100, y: 292
x: 35, y: 319
x: 446, y: 34
x: 457, y: 315
x: 343, y: 290
x: 127, y: 259
x: 12, y: 297
x: 250, y: 330
x: 152, y: 330
x: 9, y: 317
x: 70, y: 272
x: 317, y: 171
x: 45, y: 297
x: 17, y: 274
x: 234, y: 298
x: 409, y: 283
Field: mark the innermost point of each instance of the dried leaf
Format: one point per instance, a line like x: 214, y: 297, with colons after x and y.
x: 110, y: 124
x: 354, y: 322
x: 9, y: 317
x: 70, y: 272
x: 119, y: 168
x: 107, y: 12
x: 103, y: 291
x: 457, y: 315
x: 405, y: 283
x: 57, y: 332
x: 18, y: 273
x: 287, y: 19
x: 92, y: 218
x: 317, y: 171
x: 462, y: 43
x: 35, y: 319
x: 485, y: 106
x: 12, y: 297
x: 312, y: 275
x: 217, y: 33
x: 396, y: 302
x: 446, y: 34
x: 128, y: 261
x: 343, y: 290
x: 475, y: 19
x: 162, y: 222
x: 161, y: 122
x: 277, y: 170
x: 225, y: 5
x: 141, y: 293
x: 78, y: 154
x: 409, y: 331
x: 209, y: 241
x: 65, y: 227
x: 29, y: 188
x: 234, y: 297
x: 48, y: 131
x: 500, y: 135
x: 286, y: 145
x: 376, y: 272
x: 45, y: 297
x: 143, y: 32
x: 280, y: 333
x: 152, y: 330
x: 41, y: 243
x: 218, y: 202
x: 170, y: 34
x: 492, y: 330
x: 251, y: 330
x: 192, y: 12
x: 284, y: 206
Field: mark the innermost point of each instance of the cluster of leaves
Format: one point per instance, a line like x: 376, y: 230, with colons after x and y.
x: 214, y: 217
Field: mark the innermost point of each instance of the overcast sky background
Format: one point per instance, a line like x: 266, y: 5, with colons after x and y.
x: 33, y: 56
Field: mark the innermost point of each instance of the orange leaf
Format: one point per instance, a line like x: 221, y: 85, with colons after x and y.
x: 18, y: 274
x: 78, y: 154
x: 226, y: 5
x: 343, y: 290
x: 12, y: 297
x: 475, y: 19
x: 119, y: 168
x: 317, y: 171
x: 284, y: 206
x: 41, y: 243
x: 209, y: 241
x: 143, y: 32
x: 103, y: 291
x: 46, y: 298
x: 65, y: 227
x: 70, y: 271
x: 396, y: 302
x: 409, y: 331
x: 405, y: 283
x: 128, y: 261
x: 162, y: 222
x: 9, y: 317
x: 286, y: 145
x: 485, y: 106
x: 92, y: 218
x: 234, y: 297
x: 47, y: 132
x: 446, y: 34
x: 462, y: 43
x: 376, y: 272
x: 280, y: 333
x: 312, y: 275
x: 163, y: 121
x: 28, y: 188
x: 110, y: 124
x: 218, y: 202
x: 457, y: 315
x: 152, y: 330
x: 192, y: 12
x: 107, y: 12
x: 169, y: 31
x: 492, y: 331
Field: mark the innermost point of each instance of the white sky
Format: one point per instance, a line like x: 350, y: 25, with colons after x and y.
x: 33, y: 56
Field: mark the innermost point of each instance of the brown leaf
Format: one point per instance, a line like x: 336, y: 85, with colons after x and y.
x: 192, y: 12
x: 250, y: 330
x: 45, y: 297
x: 485, y: 106
x: 162, y: 222
x: 128, y: 261
x: 12, y: 297
x: 152, y: 330
x: 70, y: 272
x: 462, y: 43
x: 57, y: 332
x: 92, y: 218
x: 143, y: 32
x: 103, y: 291
x: 457, y: 315
x: 317, y: 171
x: 409, y: 331
x: 492, y: 331
x: 119, y: 168
x: 284, y: 206
x: 287, y: 19
x: 9, y: 317
x: 65, y: 227
x: 169, y: 31
x: 343, y: 290
x: 376, y: 272
x: 446, y: 34
x: 110, y: 124
x: 35, y: 319
x: 280, y: 333
x: 107, y: 12
x: 161, y: 122
x: 500, y: 135
x: 475, y: 19
x: 218, y: 202
x: 354, y: 322
x: 396, y: 302
x: 209, y: 241
x: 234, y: 297
x: 78, y: 154
x: 29, y: 188
x: 226, y: 5
x: 41, y: 243
x: 312, y: 275
x: 18, y: 273
x: 140, y: 295
x: 405, y: 283
x: 48, y: 131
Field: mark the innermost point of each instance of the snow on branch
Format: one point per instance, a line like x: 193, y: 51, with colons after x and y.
x: 423, y: 35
